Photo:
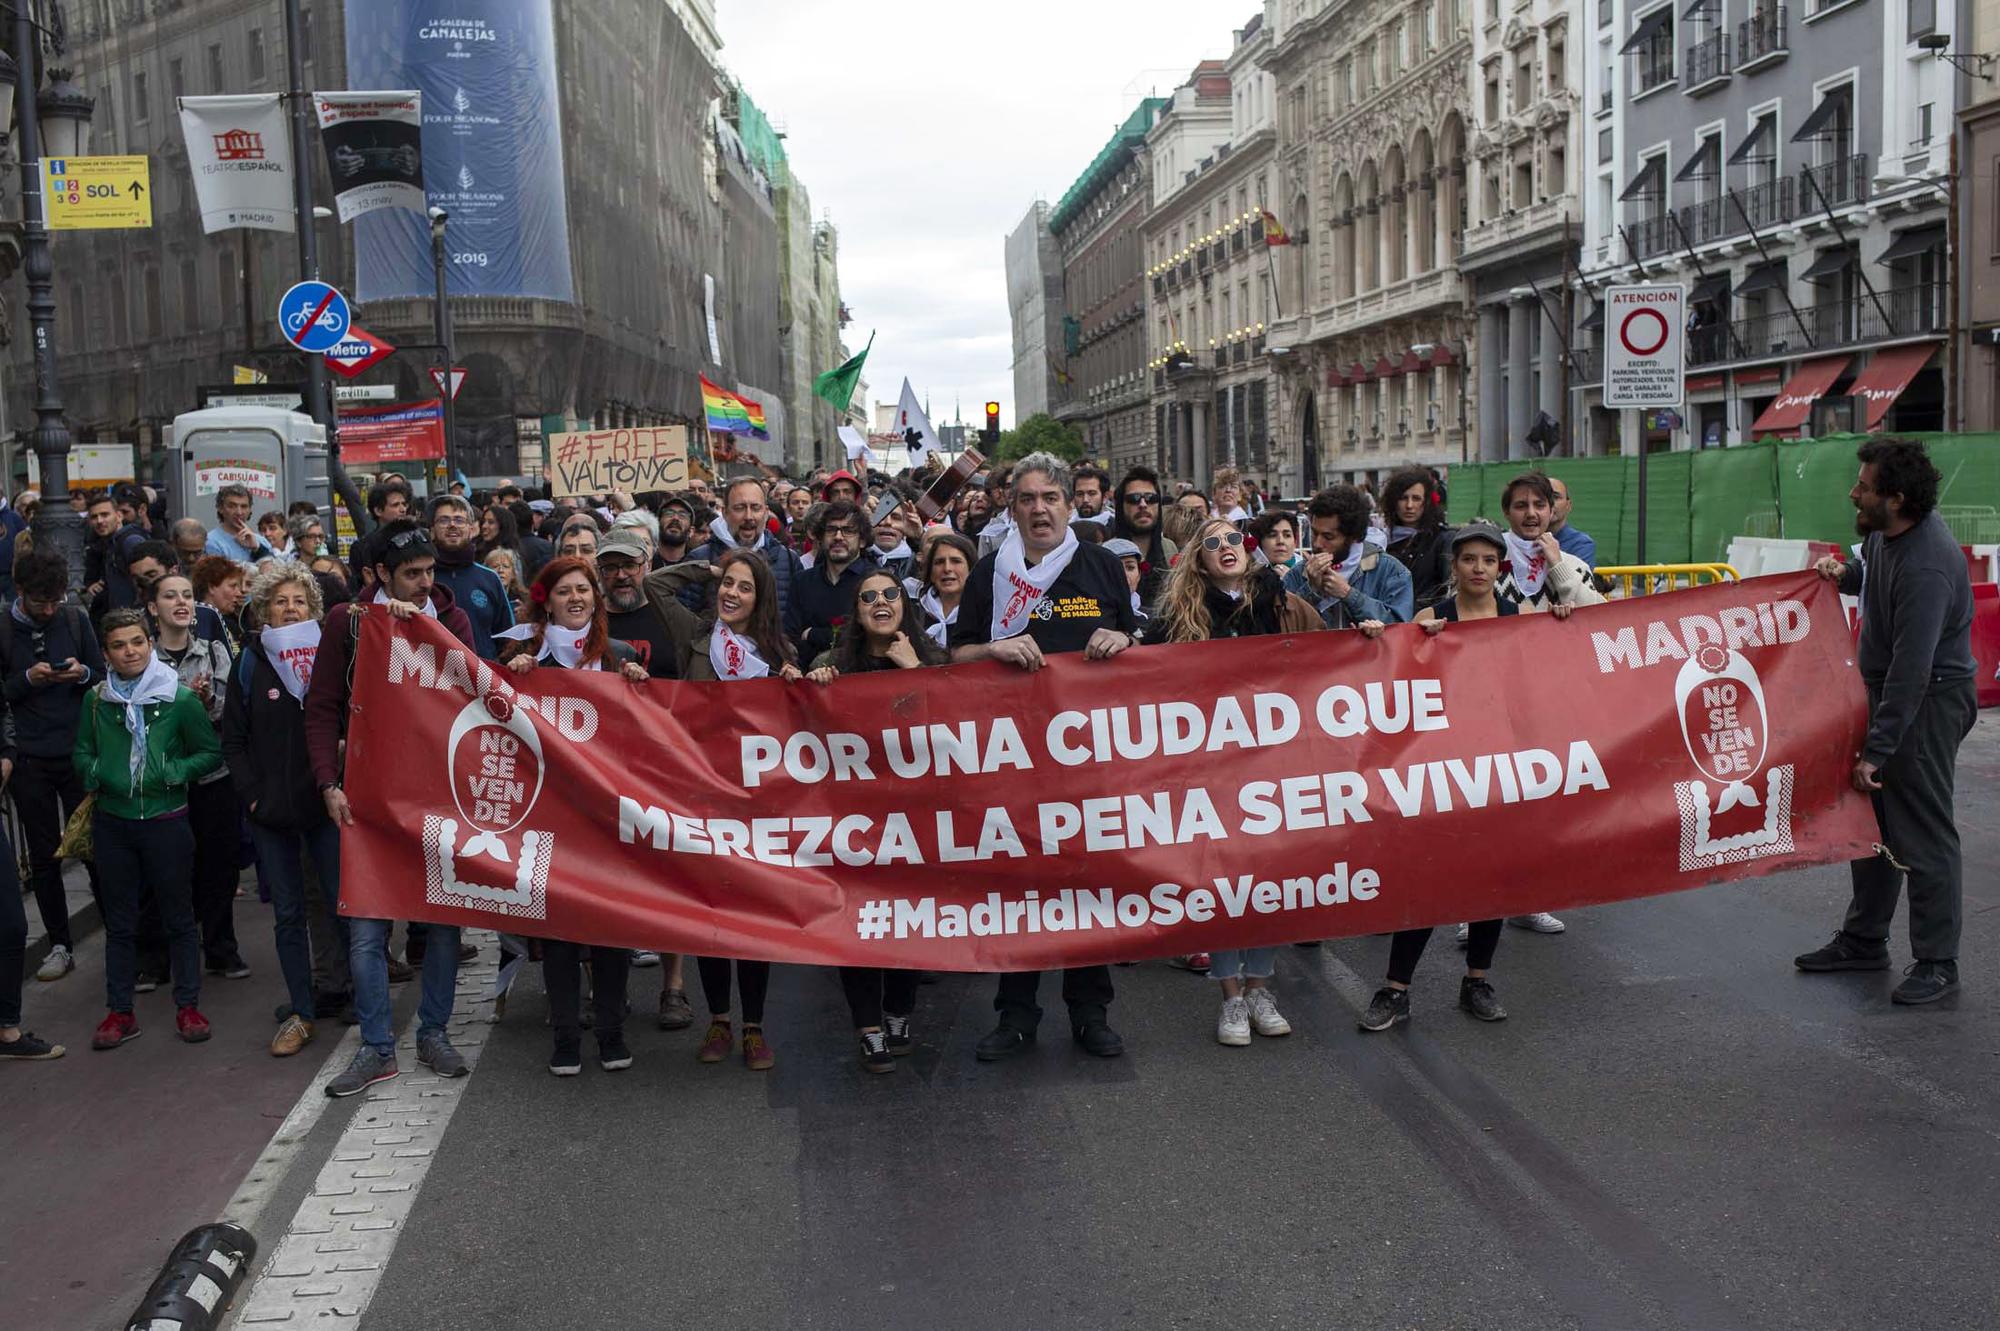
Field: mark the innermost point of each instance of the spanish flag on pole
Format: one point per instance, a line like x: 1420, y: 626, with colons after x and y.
x: 1274, y: 234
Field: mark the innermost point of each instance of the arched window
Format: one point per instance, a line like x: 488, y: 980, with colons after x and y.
x: 1451, y: 188
x: 1368, y: 275
x: 1423, y: 202
x: 1343, y: 223
x: 1395, y: 220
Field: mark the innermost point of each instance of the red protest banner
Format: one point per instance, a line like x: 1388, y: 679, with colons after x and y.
x: 392, y: 432
x: 1172, y: 799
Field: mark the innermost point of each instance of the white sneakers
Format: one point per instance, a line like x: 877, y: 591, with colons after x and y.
x: 1541, y: 922
x: 1258, y: 1010
x: 57, y: 964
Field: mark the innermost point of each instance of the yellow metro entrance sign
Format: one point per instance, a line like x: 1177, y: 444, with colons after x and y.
x: 97, y: 193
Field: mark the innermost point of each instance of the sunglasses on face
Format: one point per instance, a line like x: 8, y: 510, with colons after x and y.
x: 409, y: 538
x: 1144, y: 499
x: 1217, y: 542
x: 891, y: 594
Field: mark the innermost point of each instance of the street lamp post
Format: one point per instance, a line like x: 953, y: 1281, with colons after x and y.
x: 441, y: 314
x: 67, y: 109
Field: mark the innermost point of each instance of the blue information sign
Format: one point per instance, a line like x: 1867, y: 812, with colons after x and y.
x: 313, y: 316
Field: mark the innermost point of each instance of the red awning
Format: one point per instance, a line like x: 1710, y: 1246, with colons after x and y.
x: 1387, y: 369
x: 1441, y: 355
x: 1412, y: 363
x: 1358, y: 373
x: 1888, y: 374
x: 1789, y: 410
x: 1336, y: 378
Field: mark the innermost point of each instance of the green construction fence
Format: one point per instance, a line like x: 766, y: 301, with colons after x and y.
x: 1696, y: 503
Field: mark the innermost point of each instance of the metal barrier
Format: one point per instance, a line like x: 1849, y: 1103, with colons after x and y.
x: 1651, y: 579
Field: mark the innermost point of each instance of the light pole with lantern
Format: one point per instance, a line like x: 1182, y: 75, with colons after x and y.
x: 55, y: 120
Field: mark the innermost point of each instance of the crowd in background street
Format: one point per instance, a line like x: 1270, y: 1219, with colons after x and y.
x: 181, y: 716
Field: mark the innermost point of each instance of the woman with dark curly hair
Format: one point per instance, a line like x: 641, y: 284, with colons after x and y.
x: 1418, y: 537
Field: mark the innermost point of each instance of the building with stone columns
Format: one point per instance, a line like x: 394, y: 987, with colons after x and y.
x: 1370, y: 182
x: 1209, y: 272
x: 1523, y: 220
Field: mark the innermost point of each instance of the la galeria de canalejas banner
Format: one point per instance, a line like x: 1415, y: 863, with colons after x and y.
x: 1171, y: 799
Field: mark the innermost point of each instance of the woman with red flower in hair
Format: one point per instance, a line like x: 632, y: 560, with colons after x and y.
x: 566, y: 630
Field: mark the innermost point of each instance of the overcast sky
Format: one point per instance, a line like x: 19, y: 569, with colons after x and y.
x: 925, y: 128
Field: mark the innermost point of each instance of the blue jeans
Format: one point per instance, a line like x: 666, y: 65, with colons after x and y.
x: 280, y: 858
x: 1249, y: 963
x: 368, y: 958
x: 156, y: 853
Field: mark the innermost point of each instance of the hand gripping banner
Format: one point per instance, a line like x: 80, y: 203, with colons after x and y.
x: 1171, y: 799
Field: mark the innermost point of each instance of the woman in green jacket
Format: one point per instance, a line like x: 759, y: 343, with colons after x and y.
x: 142, y: 740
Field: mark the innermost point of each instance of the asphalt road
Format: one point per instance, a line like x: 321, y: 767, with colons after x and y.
x: 1674, y: 1129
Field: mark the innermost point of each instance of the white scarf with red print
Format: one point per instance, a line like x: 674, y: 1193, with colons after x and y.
x: 1018, y: 589
x: 734, y: 656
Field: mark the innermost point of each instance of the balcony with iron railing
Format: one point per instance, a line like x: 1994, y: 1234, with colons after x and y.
x: 1760, y: 39
x: 1708, y: 63
x: 1768, y: 204
x: 1903, y: 312
x: 1653, y: 67
x: 1834, y: 184
x: 1650, y: 236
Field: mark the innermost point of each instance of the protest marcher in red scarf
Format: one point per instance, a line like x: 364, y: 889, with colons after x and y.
x: 1214, y: 591
x: 884, y: 633
x: 1477, y: 551
x: 566, y: 630
x: 1041, y: 563
x: 740, y: 640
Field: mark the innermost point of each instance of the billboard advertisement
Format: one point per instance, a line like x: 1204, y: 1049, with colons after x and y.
x: 492, y: 149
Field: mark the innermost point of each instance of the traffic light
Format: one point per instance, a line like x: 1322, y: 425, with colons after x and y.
x: 991, y: 434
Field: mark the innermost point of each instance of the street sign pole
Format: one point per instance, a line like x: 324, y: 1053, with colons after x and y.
x: 319, y: 397
x: 1645, y: 361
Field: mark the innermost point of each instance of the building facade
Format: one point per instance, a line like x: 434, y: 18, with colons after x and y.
x: 1372, y: 120
x: 1789, y: 165
x: 1209, y: 273
x: 146, y: 317
x: 1102, y: 386
x: 1034, y: 309
x: 1975, y: 354
x: 1523, y: 223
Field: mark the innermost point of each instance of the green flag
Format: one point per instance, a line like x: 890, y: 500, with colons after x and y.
x: 837, y: 385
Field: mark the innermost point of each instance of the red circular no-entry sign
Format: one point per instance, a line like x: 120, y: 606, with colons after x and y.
x: 1625, y: 332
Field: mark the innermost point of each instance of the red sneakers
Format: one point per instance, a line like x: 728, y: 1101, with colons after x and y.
x: 114, y: 1030
x: 192, y: 1025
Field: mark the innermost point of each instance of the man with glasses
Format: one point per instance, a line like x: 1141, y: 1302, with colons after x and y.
x: 405, y: 585
x: 1045, y: 591
x: 822, y: 593
x: 1136, y: 518
x: 477, y: 588
x: 1346, y: 578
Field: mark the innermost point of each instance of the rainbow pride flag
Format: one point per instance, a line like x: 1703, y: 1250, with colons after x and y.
x: 730, y: 414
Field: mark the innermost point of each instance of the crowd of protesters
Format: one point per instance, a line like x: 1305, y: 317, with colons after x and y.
x: 193, y: 696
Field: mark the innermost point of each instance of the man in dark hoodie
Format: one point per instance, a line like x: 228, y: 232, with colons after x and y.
x: 744, y: 525
x: 405, y: 585
x: 1137, y: 519
x: 51, y: 659
x: 475, y: 588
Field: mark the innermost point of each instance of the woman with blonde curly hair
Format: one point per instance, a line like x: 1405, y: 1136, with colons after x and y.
x: 1215, y: 591
x: 507, y: 563
x: 264, y: 743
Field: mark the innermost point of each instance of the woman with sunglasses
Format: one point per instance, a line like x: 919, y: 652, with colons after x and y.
x: 1215, y: 592
x: 566, y: 630
x: 738, y: 639
x: 889, y: 637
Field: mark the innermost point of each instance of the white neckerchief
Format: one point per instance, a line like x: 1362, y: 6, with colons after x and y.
x: 900, y: 551
x: 1135, y: 603
x: 561, y: 645
x: 1351, y: 565
x: 159, y: 682
x: 1102, y: 517
x: 1529, y: 564
x: 1238, y: 514
x: 291, y: 649
x: 382, y: 597
x: 934, y: 609
x: 734, y: 656
x: 1378, y: 533
x: 1018, y: 589
x: 719, y: 529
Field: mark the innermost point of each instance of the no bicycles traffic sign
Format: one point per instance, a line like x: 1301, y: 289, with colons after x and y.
x: 1645, y: 361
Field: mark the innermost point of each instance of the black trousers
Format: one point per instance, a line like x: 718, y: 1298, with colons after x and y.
x: 1914, y: 808
x: 1406, y: 949
x: 562, y: 976
x: 46, y: 790
x: 1086, y: 990
x: 754, y: 977
x: 217, y: 822
x: 872, y: 991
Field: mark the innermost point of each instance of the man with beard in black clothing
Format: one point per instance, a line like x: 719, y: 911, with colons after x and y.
x: 621, y: 566
x: 676, y: 529
x: 1136, y: 518
x: 1044, y: 591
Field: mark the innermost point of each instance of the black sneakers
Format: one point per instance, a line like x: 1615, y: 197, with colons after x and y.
x: 1003, y: 1041
x: 567, y: 1060
x: 1845, y: 953
x: 875, y: 1055
x: 612, y: 1055
x: 1388, y: 1007
x: 896, y: 1032
x: 1097, y: 1039
x: 1926, y: 982
x: 1476, y: 996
